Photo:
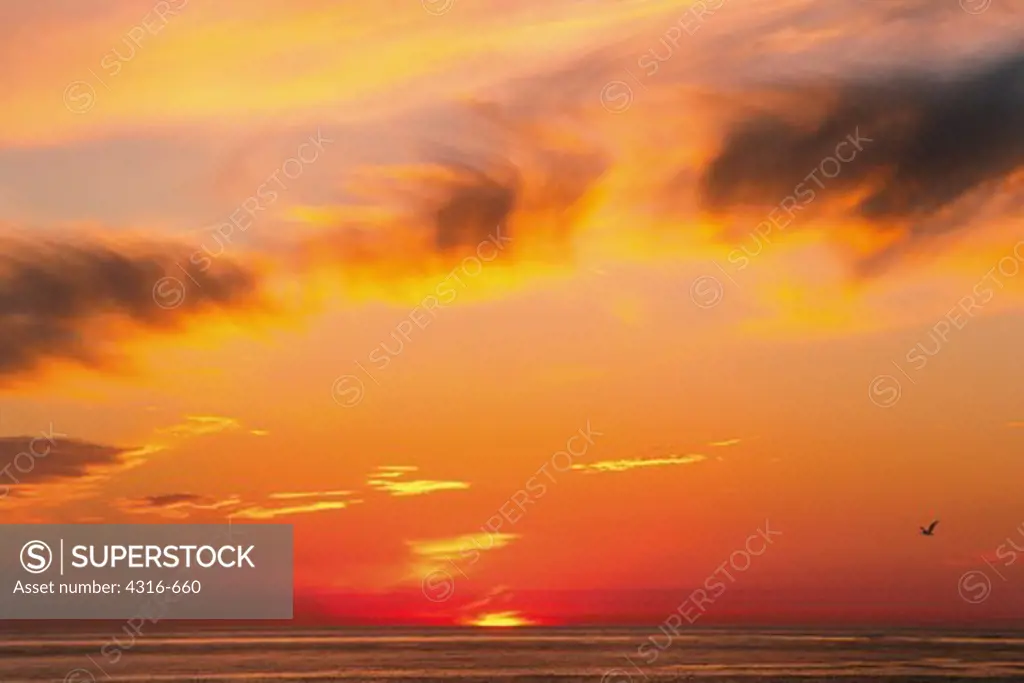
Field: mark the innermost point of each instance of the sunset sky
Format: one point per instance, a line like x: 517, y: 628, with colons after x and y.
x: 367, y: 267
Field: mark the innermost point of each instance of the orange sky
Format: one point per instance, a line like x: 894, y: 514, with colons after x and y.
x: 367, y: 268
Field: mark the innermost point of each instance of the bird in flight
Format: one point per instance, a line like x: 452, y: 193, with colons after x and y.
x: 930, y: 531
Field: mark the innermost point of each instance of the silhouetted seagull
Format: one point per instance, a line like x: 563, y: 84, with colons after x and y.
x: 930, y: 531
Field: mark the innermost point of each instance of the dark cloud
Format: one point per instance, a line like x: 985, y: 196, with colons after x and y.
x: 30, y: 460
x: 72, y: 299
x: 181, y: 505
x: 524, y: 188
x: 933, y: 148
x: 174, y: 505
x: 464, y: 204
x: 55, y: 295
x: 935, y: 141
x: 465, y: 207
x: 165, y: 500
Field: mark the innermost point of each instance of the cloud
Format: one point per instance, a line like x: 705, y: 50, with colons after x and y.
x: 32, y: 460
x: 173, y: 505
x: 386, y: 479
x: 547, y: 169
x: 164, y: 501
x: 260, y: 512
x: 418, y: 487
x: 201, y: 425
x: 308, y: 494
x: 722, y: 444
x: 394, y: 471
x: 407, y: 51
x: 51, y: 457
x: 934, y: 142
x: 498, y: 205
x: 55, y: 295
x: 431, y: 555
x: 447, y: 548
x: 183, y: 505
x: 551, y: 166
x: 543, y: 163
x: 320, y: 501
x: 636, y: 463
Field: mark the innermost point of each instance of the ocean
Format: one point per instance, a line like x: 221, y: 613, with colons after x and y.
x: 531, y: 655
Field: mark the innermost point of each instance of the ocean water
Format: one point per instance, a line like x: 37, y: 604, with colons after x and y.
x: 508, y: 656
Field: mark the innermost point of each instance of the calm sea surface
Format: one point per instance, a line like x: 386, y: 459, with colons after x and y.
x: 523, y: 655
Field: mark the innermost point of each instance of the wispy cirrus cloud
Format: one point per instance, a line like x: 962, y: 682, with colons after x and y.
x: 394, y: 471
x: 186, y: 505
x: 229, y: 62
x: 302, y: 503
x: 625, y: 465
x: 294, y: 495
x: 442, y: 549
x: 441, y: 554
x: 174, y: 505
x: 546, y: 162
x: 263, y: 512
x: 201, y: 425
x: 388, y: 479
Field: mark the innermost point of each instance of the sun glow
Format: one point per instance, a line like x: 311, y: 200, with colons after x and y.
x: 501, y: 620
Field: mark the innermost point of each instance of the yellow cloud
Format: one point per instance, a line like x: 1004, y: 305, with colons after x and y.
x: 222, y: 64
x: 720, y: 444
x: 307, y: 494
x: 418, y: 487
x: 181, y: 505
x: 635, y: 463
x: 386, y: 476
x: 200, y: 425
x: 447, y: 548
x: 258, y: 512
x: 394, y: 471
x: 452, y: 554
